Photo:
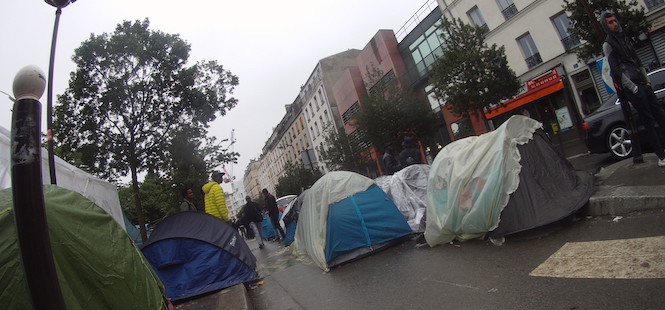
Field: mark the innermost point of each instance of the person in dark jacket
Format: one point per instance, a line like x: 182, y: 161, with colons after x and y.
x: 410, y: 154
x: 390, y: 163
x: 252, y: 217
x: 273, y: 213
x: 629, y: 74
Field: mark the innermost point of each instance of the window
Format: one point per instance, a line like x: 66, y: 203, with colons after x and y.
x: 562, y: 24
x: 477, y: 18
x: 325, y: 114
x: 653, y: 3
x: 531, y: 54
x: 348, y: 114
x: 508, y: 8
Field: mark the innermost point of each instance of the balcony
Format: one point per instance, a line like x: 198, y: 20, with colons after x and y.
x: 570, y: 41
x: 484, y: 27
x: 533, y: 60
x: 652, y: 4
x: 509, y: 12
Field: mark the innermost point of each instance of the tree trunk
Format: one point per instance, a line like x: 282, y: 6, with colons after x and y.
x: 137, y: 201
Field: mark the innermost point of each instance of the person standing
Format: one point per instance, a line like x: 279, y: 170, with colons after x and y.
x: 390, y: 163
x: 215, y: 200
x: 273, y: 213
x: 629, y: 74
x: 187, y: 200
x: 410, y: 154
x: 253, y: 216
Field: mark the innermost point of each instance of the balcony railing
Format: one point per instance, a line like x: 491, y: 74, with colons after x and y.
x: 484, y: 27
x: 533, y: 60
x: 510, y: 11
x: 570, y: 41
x: 653, y: 3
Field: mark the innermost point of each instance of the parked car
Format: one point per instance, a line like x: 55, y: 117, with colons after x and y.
x: 607, y: 131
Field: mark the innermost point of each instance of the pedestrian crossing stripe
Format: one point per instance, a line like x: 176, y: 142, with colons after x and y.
x: 638, y: 258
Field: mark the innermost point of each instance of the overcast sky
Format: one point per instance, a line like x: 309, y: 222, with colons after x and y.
x: 272, y: 46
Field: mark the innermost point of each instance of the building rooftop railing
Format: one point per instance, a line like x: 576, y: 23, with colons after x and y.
x: 424, y: 10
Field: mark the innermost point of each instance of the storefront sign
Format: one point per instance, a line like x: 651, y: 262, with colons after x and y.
x: 563, y: 117
x: 549, y: 77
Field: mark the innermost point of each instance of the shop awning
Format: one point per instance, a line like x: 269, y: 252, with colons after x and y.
x: 524, y: 98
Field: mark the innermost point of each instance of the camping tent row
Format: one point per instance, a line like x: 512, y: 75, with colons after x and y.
x: 499, y: 183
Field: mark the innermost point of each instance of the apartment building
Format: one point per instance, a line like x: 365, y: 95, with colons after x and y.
x: 250, y: 179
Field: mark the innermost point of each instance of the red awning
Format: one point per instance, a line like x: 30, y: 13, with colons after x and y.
x: 524, y: 98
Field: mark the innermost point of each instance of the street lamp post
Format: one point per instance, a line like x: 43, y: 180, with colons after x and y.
x: 28, y: 194
x: 58, y: 4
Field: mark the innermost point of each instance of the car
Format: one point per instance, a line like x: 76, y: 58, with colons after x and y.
x: 607, y: 131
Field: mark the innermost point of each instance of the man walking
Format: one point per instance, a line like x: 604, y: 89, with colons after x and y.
x: 390, y: 163
x: 187, y: 200
x: 273, y: 213
x: 629, y: 75
x: 215, y: 200
x: 253, y: 216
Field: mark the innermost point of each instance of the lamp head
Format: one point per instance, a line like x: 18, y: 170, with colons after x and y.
x: 59, y: 3
x: 29, y: 83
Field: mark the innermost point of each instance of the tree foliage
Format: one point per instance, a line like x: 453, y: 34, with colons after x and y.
x: 343, y: 153
x: 130, y: 93
x: 631, y: 16
x: 389, y: 112
x: 157, y: 203
x: 470, y: 75
x: 296, y: 179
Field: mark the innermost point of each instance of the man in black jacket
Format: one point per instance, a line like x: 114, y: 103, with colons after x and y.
x: 273, y: 213
x: 253, y: 217
x: 629, y: 74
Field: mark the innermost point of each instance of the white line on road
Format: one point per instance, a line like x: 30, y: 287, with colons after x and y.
x: 639, y: 258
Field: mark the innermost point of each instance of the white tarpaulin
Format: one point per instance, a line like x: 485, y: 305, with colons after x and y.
x: 471, y: 179
x: 408, y: 189
x: 312, y: 224
x: 101, y: 192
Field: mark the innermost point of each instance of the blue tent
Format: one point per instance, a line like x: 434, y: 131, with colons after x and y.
x: 346, y: 216
x: 195, y: 253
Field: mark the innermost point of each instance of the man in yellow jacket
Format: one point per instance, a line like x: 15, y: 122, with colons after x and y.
x: 215, y: 201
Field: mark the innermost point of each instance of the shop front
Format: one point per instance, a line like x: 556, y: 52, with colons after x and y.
x: 547, y: 100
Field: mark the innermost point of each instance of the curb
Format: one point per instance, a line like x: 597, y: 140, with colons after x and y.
x: 619, y: 200
x: 234, y: 297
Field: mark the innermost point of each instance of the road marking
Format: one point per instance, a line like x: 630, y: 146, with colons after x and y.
x: 639, y: 258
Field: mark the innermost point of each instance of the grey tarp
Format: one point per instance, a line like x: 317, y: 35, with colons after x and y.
x: 408, y: 189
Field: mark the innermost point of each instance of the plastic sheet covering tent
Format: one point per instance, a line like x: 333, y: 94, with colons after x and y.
x: 98, y: 267
x: 408, y: 189
x: 195, y: 253
x: 289, y: 219
x: 471, y: 180
x: 345, y: 216
x: 102, y: 193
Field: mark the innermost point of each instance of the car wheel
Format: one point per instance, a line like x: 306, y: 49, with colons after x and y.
x: 619, y: 142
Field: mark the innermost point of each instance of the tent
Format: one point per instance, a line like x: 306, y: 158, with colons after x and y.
x: 102, y: 193
x: 97, y: 264
x: 346, y: 216
x: 503, y: 182
x: 408, y: 189
x: 195, y: 253
x: 289, y: 219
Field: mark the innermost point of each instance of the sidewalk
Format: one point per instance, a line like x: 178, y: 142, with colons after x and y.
x: 625, y: 187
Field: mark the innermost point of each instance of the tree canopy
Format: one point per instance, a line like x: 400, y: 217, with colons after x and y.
x: 389, y: 112
x: 131, y: 92
x: 341, y: 153
x: 470, y: 75
x: 629, y: 14
x: 296, y: 179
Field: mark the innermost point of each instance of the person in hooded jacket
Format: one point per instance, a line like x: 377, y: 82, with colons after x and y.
x: 215, y: 200
x: 410, y: 154
x: 629, y: 74
x: 253, y: 216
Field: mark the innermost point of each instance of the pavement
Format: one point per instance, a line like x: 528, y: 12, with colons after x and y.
x: 621, y: 188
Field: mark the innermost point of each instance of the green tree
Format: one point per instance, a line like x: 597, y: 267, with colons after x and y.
x: 342, y: 153
x: 586, y: 27
x: 389, y: 112
x: 131, y: 90
x: 470, y: 75
x: 156, y: 203
x: 296, y: 178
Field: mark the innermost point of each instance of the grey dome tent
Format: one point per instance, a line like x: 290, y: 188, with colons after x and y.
x: 408, y: 189
x: 97, y: 264
x: 502, y: 182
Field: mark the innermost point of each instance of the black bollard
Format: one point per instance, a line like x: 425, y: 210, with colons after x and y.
x: 29, y: 211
